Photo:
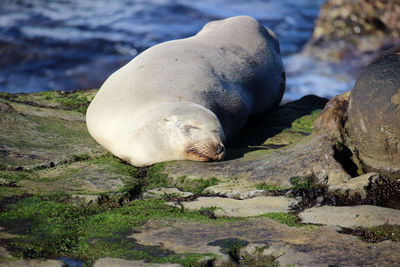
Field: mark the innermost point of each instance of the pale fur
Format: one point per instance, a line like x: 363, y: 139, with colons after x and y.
x: 147, y: 111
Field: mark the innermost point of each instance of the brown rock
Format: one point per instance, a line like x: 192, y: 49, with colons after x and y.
x: 374, y: 114
x: 333, y: 116
x: 353, y: 216
x: 348, y: 28
x: 355, y: 186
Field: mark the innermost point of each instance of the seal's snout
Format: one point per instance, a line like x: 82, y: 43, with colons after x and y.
x: 220, y: 149
x: 205, y: 151
x: 217, y: 151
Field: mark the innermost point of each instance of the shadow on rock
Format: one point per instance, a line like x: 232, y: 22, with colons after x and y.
x: 259, y: 128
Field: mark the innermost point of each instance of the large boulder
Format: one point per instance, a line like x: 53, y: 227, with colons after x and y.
x: 374, y: 114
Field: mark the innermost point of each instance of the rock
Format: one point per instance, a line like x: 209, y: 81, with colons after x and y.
x: 4, y: 253
x: 7, y: 183
x: 240, y: 208
x: 240, y: 190
x: 276, y: 150
x: 162, y: 192
x: 374, y: 115
x: 353, y: 216
x: 355, y: 186
x: 223, y: 261
x: 113, y: 262
x: 263, y: 249
x: 294, y: 257
x: 88, y: 177
x: 5, y: 235
x: 34, y: 136
x: 33, y: 263
x: 304, y: 246
x: 6, y: 108
x: 355, y: 29
x: 265, y: 151
x: 85, y: 199
x: 261, y: 254
x: 311, y: 159
x: 334, y: 115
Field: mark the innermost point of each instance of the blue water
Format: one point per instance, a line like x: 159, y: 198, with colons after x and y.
x: 77, y: 44
x: 71, y: 262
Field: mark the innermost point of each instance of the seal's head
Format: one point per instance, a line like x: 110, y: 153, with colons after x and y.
x: 199, y: 135
x: 175, y: 130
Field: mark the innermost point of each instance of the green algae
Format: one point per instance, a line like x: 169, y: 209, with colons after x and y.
x: 95, y: 175
x: 260, y: 260
x: 31, y: 139
x: 270, y: 187
x: 376, y: 233
x: 46, y: 228
x: 16, y: 175
x: 382, y: 232
x: 77, y: 100
x: 196, y: 186
x: 285, y: 218
x: 306, y: 123
x: 114, y: 164
x: 296, y: 182
x: 304, y: 183
x: 156, y: 177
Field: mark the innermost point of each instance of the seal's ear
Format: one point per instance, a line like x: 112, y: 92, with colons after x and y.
x: 190, y: 127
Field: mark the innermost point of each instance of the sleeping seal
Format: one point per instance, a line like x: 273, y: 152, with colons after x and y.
x: 183, y: 99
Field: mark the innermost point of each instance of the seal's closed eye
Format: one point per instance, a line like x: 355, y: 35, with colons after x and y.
x: 190, y: 127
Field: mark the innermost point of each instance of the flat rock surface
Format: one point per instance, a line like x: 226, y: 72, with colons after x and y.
x: 82, y: 177
x: 304, y: 246
x: 33, y: 263
x: 241, y: 208
x: 357, y: 185
x: 35, y: 136
x: 110, y: 262
x: 353, y: 216
x: 162, y: 192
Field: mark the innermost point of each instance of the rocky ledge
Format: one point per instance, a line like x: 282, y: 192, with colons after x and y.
x: 286, y: 194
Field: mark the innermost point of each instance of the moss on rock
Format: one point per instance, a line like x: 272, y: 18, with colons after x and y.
x: 77, y: 100
x: 61, y: 194
x: 35, y: 137
x: 377, y: 233
x: 46, y: 228
x: 92, y: 176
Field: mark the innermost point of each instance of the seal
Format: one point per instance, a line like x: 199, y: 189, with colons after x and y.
x: 183, y: 99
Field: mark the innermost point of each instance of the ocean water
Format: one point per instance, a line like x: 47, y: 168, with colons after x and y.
x: 77, y: 44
